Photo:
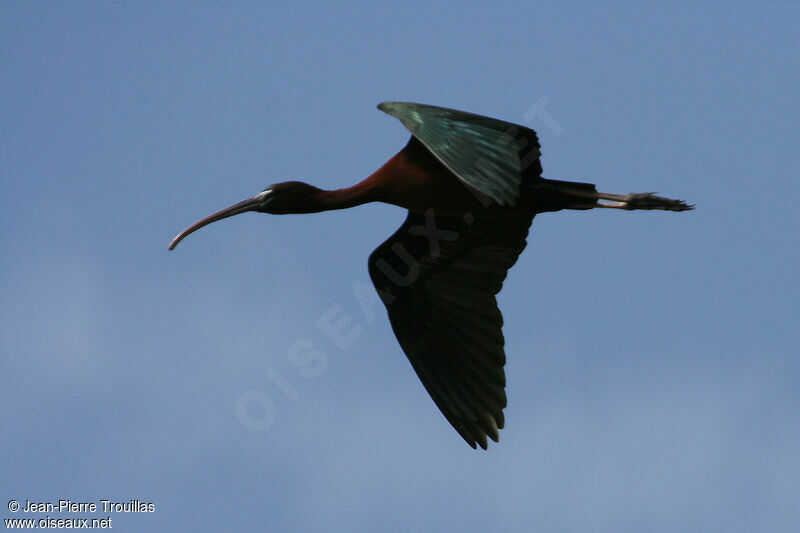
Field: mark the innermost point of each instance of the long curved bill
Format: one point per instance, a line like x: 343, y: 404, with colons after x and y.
x: 247, y: 205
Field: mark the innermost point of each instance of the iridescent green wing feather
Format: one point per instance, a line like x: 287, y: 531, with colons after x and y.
x: 490, y: 155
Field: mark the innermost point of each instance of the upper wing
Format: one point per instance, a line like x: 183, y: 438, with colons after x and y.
x: 488, y: 154
x: 438, y: 278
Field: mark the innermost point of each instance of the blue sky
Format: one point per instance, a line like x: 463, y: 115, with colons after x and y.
x: 653, y: 367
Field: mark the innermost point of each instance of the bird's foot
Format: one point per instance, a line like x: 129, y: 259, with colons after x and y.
x: 644, y: 200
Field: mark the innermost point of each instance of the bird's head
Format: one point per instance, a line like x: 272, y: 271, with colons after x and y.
x: 279, y: 199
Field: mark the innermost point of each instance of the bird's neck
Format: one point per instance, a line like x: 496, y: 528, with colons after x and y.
x: 317, y: 200
x: 360, y: 193
x: 377, y: 187
x: 400, y: 181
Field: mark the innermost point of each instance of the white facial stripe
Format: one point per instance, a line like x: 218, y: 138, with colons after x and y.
x: 263, y: 194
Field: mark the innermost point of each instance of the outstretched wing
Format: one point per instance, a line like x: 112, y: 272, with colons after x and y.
x: 438, y: 277
x: 488, y: 154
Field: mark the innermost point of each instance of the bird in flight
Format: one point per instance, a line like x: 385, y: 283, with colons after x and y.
x: 471, y: 185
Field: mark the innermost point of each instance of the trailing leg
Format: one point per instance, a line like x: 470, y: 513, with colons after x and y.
x: 552, y: 195
x: 644, y: 200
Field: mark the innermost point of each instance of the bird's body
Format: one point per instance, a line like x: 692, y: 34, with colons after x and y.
x: 415, y: 180
x: 472, y: 186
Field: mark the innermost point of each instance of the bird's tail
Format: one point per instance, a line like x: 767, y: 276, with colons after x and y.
x: 554, y: 195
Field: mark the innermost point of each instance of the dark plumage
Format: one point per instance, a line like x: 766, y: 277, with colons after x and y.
x: 472, y: 185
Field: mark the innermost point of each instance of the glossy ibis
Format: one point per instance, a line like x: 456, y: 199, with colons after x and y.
x: 472, y: 185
